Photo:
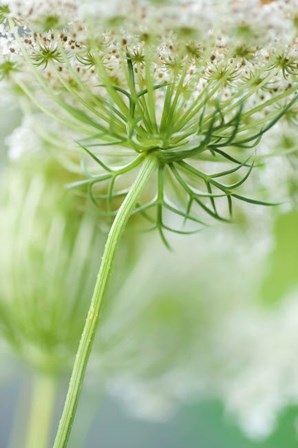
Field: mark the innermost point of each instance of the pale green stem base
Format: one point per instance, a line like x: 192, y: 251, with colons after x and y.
x: 89, y: 331
x: 41, y: 412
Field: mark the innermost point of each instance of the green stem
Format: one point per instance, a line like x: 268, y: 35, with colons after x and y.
x: 89, y: 330
x: 41, y: 413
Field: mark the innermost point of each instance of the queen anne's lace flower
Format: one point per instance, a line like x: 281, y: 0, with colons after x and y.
x: 194, y: 84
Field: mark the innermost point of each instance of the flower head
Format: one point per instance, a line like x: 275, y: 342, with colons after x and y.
x: 194, y: 85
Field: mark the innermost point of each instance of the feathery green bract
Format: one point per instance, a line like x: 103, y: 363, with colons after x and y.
x: 206, y: 151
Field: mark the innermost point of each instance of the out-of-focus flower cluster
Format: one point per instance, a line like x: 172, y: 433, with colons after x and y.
x: 48, y: 263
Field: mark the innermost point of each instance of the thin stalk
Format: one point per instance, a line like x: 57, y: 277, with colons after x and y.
x: 90, y: 327
x: 41, y: 412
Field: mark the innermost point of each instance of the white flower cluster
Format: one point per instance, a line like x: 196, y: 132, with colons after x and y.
x: 271, y: 20
x: 259, y: 344
x: 51, y: 12
x: 264, y: 16
x: 215, y: 34
x: 8, y: 46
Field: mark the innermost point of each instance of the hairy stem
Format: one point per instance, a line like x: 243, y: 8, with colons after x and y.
x: 41, y: 412
x: 89, y: 330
